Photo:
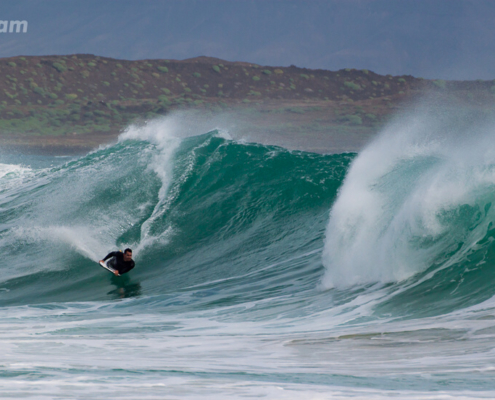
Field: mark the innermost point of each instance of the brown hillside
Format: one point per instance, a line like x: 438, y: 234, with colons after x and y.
x: 66, y: 96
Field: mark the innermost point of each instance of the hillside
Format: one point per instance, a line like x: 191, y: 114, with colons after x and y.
x: 82, y: 100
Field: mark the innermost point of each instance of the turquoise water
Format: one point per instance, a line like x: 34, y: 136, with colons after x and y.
x: 260, y: 272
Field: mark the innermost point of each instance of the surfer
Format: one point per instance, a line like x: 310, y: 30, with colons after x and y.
x: 121, y: 262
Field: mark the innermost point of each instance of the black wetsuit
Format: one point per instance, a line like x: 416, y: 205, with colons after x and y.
x: 118, y: 262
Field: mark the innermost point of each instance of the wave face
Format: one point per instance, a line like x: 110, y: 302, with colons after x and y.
x: 259, y: 271
x: 193, y: 211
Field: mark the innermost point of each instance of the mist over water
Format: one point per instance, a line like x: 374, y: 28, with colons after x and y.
x: 260, y: 271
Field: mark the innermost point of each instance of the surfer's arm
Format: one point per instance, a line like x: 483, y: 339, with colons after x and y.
x: 109, y: 255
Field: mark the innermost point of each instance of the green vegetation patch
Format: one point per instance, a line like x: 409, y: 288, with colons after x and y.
x: 39, y: 90
x: 351, y: 85
x: 351, y: 119
x: 59, y: 67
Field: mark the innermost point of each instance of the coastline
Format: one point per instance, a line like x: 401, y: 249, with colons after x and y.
x: 53, y: 146
x: 332, y: 143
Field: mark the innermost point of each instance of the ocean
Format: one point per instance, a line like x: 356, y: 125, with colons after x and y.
x: 261, y: 272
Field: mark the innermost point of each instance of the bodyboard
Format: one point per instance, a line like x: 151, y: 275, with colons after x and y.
x: 104, y: 265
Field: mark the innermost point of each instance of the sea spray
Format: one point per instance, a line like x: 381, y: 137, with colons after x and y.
x: 422, y: 189
x: 162, y: 133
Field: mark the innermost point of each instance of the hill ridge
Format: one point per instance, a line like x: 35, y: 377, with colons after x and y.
x: 85, y: 94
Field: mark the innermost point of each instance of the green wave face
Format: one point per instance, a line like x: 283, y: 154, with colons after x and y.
x: 204, y: 211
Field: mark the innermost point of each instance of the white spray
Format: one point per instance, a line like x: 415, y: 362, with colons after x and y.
x: 388, y: 221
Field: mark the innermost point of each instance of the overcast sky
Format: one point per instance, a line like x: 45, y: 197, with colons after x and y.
x: 448, y: 39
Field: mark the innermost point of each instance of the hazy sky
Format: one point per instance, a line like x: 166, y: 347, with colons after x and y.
x: 449, y: 39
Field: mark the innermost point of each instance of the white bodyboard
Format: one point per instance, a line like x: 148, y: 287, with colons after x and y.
x: 104, y: 265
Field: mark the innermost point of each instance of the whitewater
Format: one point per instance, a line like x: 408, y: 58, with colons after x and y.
x: 261, y: 272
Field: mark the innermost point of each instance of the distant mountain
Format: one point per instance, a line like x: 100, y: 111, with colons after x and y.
x: 447, y: 39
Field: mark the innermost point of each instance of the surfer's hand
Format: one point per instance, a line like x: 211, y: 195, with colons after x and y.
x: 102, y: 261
x: 116, y: 273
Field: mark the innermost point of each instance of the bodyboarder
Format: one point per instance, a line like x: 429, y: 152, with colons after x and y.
x: 120, y: 262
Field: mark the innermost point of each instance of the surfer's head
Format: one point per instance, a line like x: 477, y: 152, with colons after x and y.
x: 127, y: 255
